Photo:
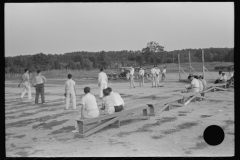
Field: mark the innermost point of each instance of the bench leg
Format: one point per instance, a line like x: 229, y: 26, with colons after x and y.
x: 81, y: 127
x: 167, y: 107
x: 151, y: 110
x: 181, y: 100
x: 117, y: 123
x: 145, y: 112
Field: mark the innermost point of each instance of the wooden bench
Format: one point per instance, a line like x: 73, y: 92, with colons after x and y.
x: 104, y: 120
x: 166, y: 103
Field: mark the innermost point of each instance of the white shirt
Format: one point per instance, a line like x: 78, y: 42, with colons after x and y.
x: 102, y: 77
x: 89, y: 102
x: 132, y: 71
x: 195, y: 83
x: 164, y: 70
x: 153, y: 71
x: 225, y: 78
x: 200, y: 85
x: 39, y: 79
x: 141, y: 72
x: 69, y: 85
x: 25, y: 77
x: 117, y: 99
x: 157, y: 71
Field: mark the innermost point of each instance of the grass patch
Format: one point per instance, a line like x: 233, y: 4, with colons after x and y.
x: 30, y: 121
x: 229, y: 122
x: 181, y: 114
x: 170, y: 131
x: 200, y: 145
x: 157, y: 137
x: 49, y: 125
x: 121, y: 134
x: 188, y: 152
x: 204, y: 116
x: 22, y: 153
x: 187, y: 125
x: 13, y: 145
x: 20, y: 136
x: 63, y: 130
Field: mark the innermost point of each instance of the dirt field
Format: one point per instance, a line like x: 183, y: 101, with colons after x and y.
x: 45, y: 130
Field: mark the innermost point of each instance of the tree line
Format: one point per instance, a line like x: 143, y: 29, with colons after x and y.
x: 153, y: 53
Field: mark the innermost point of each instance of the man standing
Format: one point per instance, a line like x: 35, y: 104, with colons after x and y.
x: 39, y: 84
x: 132, y: 78
x: 26, y: 85
x: 102, y: 82
x: 157, y: 76
x: 118, y: 101
x: 141, y: 75
x: 163, y: 73
x: 70, y: 91
x: 153, y: 72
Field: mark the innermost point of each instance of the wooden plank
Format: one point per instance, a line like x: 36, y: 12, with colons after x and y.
x: 99, y: 127
x: 222, y: 89
x: 92, y: 120
x: 175, y: 104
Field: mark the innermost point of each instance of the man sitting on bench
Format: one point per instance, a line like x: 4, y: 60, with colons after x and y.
x: 200, y: 84
x: 89, y: 107
x: 118, y: 101
x: 194, y: 87
x: 203, y: 82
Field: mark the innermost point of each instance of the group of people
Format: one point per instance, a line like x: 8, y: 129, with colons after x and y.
x: 111, y: 102
x: 155, y: 74
x: 37, y: 82
x: 223, y: 77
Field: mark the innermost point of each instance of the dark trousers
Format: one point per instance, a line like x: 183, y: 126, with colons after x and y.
x: 39, y: 90
x: 118, y: 108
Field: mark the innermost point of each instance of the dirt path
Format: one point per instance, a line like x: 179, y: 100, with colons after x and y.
x: 45, y: 130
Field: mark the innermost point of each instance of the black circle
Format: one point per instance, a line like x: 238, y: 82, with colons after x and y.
x: 213, y: 135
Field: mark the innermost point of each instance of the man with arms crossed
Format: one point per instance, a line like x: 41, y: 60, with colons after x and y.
x: 39, y: 81
x: 89, y: 107
x: 70, y: 91
x: 118, y: 101
x: 26, y: 84
x: 102, y: 82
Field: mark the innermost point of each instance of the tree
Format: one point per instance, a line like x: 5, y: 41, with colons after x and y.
x: 153, y: 47
x: 103, y: 59
x: 71, y: 65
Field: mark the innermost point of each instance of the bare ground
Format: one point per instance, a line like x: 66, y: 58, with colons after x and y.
x: 45, y: 130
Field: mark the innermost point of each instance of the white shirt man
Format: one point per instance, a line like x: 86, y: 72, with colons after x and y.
x: 89, y: 107
x: 157, y: 71
x: 70, y: 91
x: 195, y: 85
x: 26, y: 85
x: 200, y: 85
x: 224, y: 77
x: 102, y: 82
x: 164, y: 70
x: 141, y: 72
x: 132, y: 78
x: 153, y: 72
x: 118, y: 102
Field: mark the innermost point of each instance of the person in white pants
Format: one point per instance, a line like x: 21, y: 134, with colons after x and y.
x: 26, y: 85
x: 70, y: 91
x: 102, y: 82
x: 157, y: 71
x: 153, y: 72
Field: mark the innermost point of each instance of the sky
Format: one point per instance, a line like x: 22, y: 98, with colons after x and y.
x: 58, y: 28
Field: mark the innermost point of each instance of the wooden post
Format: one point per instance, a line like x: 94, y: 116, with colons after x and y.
x: 203, y: 67
x: 189, y: 56
x: 173, y: 62
x: 179, y: 66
